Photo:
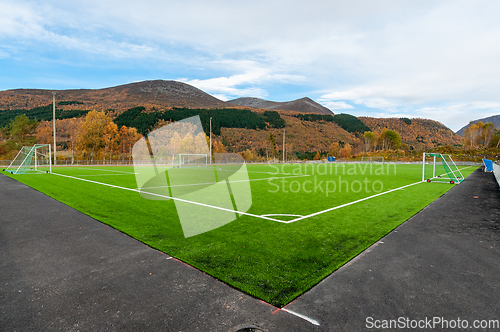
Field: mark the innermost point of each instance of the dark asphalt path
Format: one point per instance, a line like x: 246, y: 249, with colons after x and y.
x: 62, y: 270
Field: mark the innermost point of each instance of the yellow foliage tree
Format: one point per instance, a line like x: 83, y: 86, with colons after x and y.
x: 218, y: 147
x: 111, y: 139
x: 345, y: 152
x: 90, y: 143
x: 334, y: 150
x: 247, y: 155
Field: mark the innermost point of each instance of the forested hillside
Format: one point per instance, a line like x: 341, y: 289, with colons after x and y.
x: 221, y: 118
x: 348, y: 122
x: 39, y: 114
x: 417, y: 133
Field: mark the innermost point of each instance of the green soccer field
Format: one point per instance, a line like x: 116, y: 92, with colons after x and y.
x: 305, y: 220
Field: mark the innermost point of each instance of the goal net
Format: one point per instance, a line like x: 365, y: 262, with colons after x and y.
x: 187, y: 160
x: 32, y: 159
x: 372, y: 159
x: 437, y: 167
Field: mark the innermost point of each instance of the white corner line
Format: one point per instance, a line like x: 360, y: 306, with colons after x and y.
x: 304, y: 317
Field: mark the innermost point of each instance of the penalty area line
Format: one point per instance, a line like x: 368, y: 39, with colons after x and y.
x: 105, y: 170
x: 232, y: 181
x: 168, y: 197
x: 350, y: 203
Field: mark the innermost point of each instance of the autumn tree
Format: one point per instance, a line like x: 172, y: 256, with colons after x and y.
x: 44, y: 132
x: 472, y: 133
x: 274, y: 148
x: 218, y: 147
x: 389, y: 139
x: 128, y: 137
x: 21, y: 129
x: 479, y: 134
x: 111, y: 140
x: 90, y: 143
x: 488, y: 133
x: 247, y: 155
x: 73, y: 127
x: 334, y: 150
x: 370, y: 141
x: 317, y: 156
x: 345, y: 152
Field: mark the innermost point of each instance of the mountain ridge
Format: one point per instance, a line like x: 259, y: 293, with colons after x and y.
x: 495, y: 119
x: 301, y: 105
x: 151, y: 94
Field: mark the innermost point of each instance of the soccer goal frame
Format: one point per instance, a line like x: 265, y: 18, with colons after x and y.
x: 437, y: 167
x: 190, y: 160
x: 32, y: 159
x: 372, y: 159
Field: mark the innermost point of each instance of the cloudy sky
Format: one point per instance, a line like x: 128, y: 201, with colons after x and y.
x: 382, y: 58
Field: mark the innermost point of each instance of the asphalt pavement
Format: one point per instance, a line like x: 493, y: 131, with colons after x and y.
x: 61, y: 270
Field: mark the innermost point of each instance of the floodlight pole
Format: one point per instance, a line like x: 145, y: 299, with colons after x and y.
x: 54, y: 117
x: 283, y: 145
x: 210, y: 140
x: 423, y: 167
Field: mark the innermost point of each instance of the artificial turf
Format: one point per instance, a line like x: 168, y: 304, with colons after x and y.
x: 273, y: 261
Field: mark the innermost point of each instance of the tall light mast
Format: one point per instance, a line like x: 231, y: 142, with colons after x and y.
x: 284, y: 146
x: 210, y: 140
x: 54, y: 117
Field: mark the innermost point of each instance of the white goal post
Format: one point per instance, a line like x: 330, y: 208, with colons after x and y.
x: 186, y: 159
x: 32, y: 159
x: 372, y: 159
x: 437, y: 167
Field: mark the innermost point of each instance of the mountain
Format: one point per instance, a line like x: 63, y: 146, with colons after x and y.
x: 495, y: 119
x: 157, y: 93
x: 307, y: 133
x: 302, y: 105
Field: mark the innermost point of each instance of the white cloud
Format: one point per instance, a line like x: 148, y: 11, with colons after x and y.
x: 335, y: 105
x: 417, y: 58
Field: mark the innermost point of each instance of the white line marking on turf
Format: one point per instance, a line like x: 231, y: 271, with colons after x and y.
x: 99, y: 174
x: 244, y: 213
x: 350, y: 203
x: 106, y: 170
x: 204, y: 183
x: 281, y: 214
x: 174, y: 198
x: 310, y: 320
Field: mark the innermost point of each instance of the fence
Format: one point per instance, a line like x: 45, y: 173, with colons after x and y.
x: 496, y: 172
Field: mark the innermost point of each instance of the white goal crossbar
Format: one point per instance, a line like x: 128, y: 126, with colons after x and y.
x: 185, y: 159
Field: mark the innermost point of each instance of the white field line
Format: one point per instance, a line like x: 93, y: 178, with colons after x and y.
x: 204, y: 183
x: 106, y: 170
x: 229, y: 170
x: 100, y: 174
x: 310, y: 320
x: 265, y: 216
x: 350, y: 203
x: 174, y: 198
x: 282, y: 214
x: 209, y: 168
